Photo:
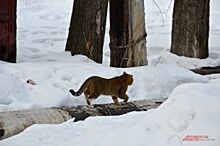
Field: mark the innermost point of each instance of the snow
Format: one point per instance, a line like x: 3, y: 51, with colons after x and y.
x: 181, y: 115
x: 58, y: 77
x: 192, y: 107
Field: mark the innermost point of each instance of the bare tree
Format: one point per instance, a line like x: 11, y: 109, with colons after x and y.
x: 87, y: 28
x: 127, y: 33
x: 190, y: 29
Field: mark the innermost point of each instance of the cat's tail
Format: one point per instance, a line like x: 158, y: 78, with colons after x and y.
x: 79, y: 92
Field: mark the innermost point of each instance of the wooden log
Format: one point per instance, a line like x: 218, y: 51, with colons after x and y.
x: 207, y: 70
x: 12, y: 123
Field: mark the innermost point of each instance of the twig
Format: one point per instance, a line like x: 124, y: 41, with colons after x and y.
x: 157, y: 61
x: 169, y: 6
x: 160, y: 12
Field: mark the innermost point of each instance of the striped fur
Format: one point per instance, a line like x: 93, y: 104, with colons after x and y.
x: 95, y: 86
x: 78, y: 93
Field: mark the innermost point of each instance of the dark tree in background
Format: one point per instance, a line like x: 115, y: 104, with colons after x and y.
x: 190, y: 28
x: 127, y: 33
x: 8, y: 30
x: 87, y: 28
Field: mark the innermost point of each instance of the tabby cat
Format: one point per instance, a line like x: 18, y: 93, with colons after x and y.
x: 95, y: 86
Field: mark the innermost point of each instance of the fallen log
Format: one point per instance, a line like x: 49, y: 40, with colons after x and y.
x: 12, y: 123
x: 207, y: 70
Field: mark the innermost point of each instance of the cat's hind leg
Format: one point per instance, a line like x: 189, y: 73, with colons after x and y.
x: 90, y: 98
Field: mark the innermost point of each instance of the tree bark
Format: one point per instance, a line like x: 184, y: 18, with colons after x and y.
x: 138, y: 33
x: 190, y: 28
x: 12, y: 123
x: 127, y: 33
x: 87, y: 28
x: 8, y: 30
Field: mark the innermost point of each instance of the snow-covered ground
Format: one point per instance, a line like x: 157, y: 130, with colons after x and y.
x: 180, y: 116
x: 191, y: 110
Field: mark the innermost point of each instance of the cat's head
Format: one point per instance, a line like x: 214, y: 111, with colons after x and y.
x: 128, y: 78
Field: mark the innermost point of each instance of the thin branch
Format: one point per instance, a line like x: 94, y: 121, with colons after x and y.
x: 161, y: 13
x: 169, y: 6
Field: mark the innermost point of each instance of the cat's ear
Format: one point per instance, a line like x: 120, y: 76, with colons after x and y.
x: 124, y: 73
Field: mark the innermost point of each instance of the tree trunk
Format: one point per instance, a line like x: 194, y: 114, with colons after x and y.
x: 138, y: 33
x: 127, y: 33
x: 12, y: 123
x: 8, y: 30
x: 190, y: 29
x: 87, y: 28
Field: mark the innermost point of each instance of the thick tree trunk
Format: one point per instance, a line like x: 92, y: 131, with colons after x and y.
x: 190, y: 29
x: 12, y: 123
x: 8, y: 30
x: 87, y: 28
x: 127, y: 33
x: 138, y: 33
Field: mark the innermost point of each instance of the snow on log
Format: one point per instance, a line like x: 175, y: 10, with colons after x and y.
x: 12, y: 123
